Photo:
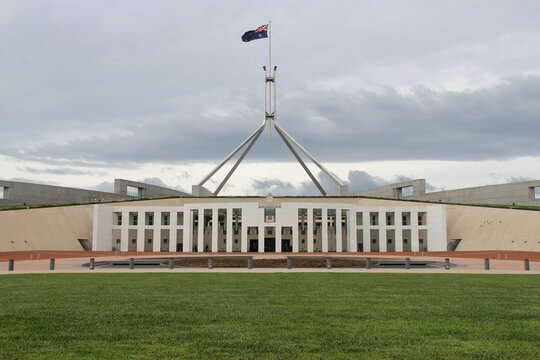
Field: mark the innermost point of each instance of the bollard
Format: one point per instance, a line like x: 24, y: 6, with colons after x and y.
x: 447, y: 264
x: 407, y: 263
x: 328, y: 263
x: 31, y: 256
x: 51, y: 264
x: 486, y: 264
x: 92, y: 263
x: 131, y: 263
x: 250, y: 262
x: 526, y: 264
x: 210, y: 263
x: 171, y: 263
x: 368, y: 263
x: 11, y: 265
x: 289, y: 262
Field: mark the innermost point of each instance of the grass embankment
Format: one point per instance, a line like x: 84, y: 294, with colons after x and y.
x: 252, y: 316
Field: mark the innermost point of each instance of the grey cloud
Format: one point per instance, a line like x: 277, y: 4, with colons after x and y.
x: 103, y: 83
x: 56, y: 171
x: 105, y: 186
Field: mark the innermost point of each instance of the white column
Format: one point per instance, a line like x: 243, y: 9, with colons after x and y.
x: 172, y: 231
x: 415, y: 246
x: 188, y: 231
x: 277, y: 230
x: 324, y: 225
x: 215, y: 227
x: 310, y: 226
x: 124, y: 232
x: 367, y: 230
x: 156, y: 242
x: 261, y: 238
x: 399, y: 239
x: 382, y: 232
x: 230, y: 230
x: 244, y: 237
x: 200, y: 232
x: 140, y: 231
x: 339, y: 233
x: 351, y: 221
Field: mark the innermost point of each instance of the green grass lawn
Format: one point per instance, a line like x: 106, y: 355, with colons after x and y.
x: 285, y: 316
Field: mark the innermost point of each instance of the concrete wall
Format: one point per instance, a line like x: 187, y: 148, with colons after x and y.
x: 21, y: 193
x: 393, y: 191
x: 518, y: 193
x: 145, y: 190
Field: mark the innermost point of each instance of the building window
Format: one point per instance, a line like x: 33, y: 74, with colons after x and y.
x: 405, y: 191
x: 133, y: 241
x: 422, y: 218
x: 404, y: 241
x: 389, y: 241
x: 421, y: 241
x: 118, y: 241
x: 150, y: 219
x: 135, y: 219
x: 149, y: 241
x: 1, y: 192
x: 536, y: 192
x: 374, y: 218
x: 164, y: 241
x: 374, y: 241
x: 269, y: 214
x: 236, y: 241
x: 133, y: 191
x: 303, y: 241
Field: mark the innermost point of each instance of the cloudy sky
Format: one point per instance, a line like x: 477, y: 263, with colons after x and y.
x: 162, y: 91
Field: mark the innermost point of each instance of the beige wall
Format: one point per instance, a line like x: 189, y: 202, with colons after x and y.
x: 481, y: 228
x: 55, y: 228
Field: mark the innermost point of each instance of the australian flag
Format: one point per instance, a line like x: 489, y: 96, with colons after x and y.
x: 259, y: 33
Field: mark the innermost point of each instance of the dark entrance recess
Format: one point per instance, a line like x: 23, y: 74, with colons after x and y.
x: 269, y: 245
x: 253, y: 245
x: 85, y: 244
x: 286, y: 246
x: 179, y: 247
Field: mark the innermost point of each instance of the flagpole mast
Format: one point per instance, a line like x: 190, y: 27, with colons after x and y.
x: 270, y: 71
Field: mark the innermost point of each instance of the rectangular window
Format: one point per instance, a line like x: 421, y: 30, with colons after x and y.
x: 166, y: 218
x: 405, y: 191
x: 536, y: 192
x: 374, y: 218
x: 269, y: 214
x: 390, y: 218
x: 133, y: 191
x: 359, y: 218
x: 118, y: 241
x: 1, y: 192
x: 406, y: 219
x: 237, y: 220
x: 422, y: 218
x: 180, y: 218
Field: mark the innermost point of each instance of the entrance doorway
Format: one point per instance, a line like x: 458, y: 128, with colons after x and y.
x: 269, y: 245
x: 253, y: 245
x: 286, y: 245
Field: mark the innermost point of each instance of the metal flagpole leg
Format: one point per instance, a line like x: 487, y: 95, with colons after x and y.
x: 231, y: 155
x: 330, y: 175
x: 239, y: 160
x: 301, y: 162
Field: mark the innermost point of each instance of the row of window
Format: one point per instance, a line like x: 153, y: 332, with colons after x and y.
x: 270, y: 218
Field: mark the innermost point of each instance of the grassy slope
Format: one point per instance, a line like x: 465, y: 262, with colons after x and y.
x: 248, y: 316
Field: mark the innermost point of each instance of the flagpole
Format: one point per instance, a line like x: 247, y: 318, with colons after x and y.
x: 270, y: 46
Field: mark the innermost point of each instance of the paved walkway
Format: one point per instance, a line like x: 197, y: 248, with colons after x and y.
x: 75, y: 264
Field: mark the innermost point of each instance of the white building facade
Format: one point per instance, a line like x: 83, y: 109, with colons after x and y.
x: 256, y: 226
